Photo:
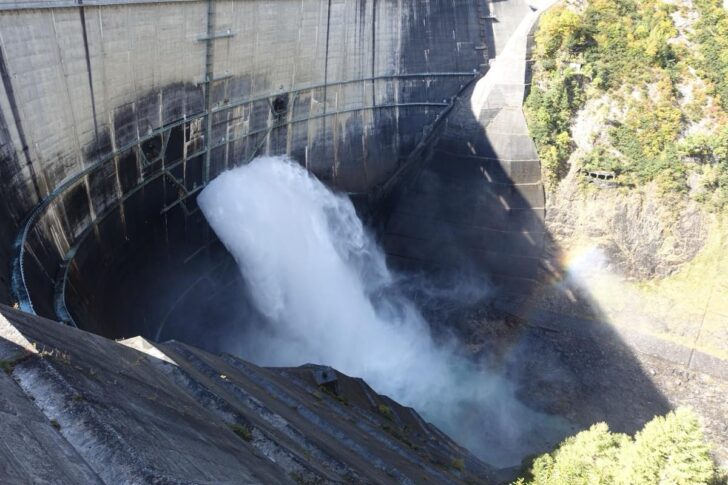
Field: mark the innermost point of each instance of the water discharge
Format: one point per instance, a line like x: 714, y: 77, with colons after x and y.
x: 326, y: 296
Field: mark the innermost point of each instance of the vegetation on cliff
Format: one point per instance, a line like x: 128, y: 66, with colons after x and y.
x: 659, y: 72
x: 668, y: 450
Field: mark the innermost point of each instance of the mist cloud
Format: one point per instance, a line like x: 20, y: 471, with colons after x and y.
x: 323, y: 286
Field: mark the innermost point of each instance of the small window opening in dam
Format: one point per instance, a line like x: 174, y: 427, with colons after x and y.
x: 279, y: 106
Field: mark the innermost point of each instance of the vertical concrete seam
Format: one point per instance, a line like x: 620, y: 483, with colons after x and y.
x: 10, y: 94
x: 374, y: 51
x: 88, y: 69
x: 326, y: 74
x: 59, y: 52
x: 209, y: 59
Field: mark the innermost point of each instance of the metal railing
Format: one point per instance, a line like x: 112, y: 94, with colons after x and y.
x: 18, y: 281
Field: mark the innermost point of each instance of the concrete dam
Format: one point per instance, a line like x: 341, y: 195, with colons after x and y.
x: 115, y: 115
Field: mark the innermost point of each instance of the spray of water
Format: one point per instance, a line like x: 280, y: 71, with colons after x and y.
x: 324, y: 288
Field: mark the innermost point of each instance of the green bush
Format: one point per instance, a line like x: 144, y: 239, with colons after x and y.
x: 243, y: 432
x: 613, y: 42
x: 668, y: 450
x: 560, y: 29
x: 624, y: 48
x: 712, y: 152
x: 600, y: 158
x: 710, y: 34
x: 385, y: 411
x: 628, y: 39
x: 549, y: 114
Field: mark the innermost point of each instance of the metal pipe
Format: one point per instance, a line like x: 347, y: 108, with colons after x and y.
x: 18, y: 283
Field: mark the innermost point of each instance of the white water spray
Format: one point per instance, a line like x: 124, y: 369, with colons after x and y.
x: 323, y: 285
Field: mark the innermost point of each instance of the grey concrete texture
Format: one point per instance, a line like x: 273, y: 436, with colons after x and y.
x: 78, y: 408
x: 31, y: 449
x: 86, y: 87
x: 479, y: 199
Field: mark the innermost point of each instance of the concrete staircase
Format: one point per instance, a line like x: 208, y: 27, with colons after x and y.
x: 79, y: 408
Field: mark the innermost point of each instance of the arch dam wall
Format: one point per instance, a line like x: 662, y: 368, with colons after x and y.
x: 115, y: 114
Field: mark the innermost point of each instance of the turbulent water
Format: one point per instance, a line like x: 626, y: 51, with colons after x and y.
x: 327, y: 296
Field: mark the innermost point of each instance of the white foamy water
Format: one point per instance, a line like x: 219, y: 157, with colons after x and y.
x: 323, y: 285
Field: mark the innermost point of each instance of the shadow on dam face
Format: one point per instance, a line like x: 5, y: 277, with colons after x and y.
x: 458, y: 212
x: 476, y: 206
x: 154, y: 268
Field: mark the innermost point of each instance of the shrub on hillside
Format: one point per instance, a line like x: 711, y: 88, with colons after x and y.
x: 669, y: 450
x: 710, y: 34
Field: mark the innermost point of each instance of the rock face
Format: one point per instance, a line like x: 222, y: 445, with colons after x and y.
x: 78, y: 408
x: 641, y: 234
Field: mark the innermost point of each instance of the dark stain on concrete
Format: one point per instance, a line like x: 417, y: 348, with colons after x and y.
x: 82, y: 14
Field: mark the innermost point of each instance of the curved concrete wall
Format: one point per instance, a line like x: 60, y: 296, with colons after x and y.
x: 114, y: 114
x: 478, y: 203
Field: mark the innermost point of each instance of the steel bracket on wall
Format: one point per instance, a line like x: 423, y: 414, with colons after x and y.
x: 209, y: 79
x: 215, y: 79
x: 215, y: 35
x: 182, y: 193
x: 142, y: 154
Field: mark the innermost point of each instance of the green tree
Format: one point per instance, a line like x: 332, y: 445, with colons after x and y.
x: 560, y: 28
x: 669, y: 450
x: 710, y: 35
